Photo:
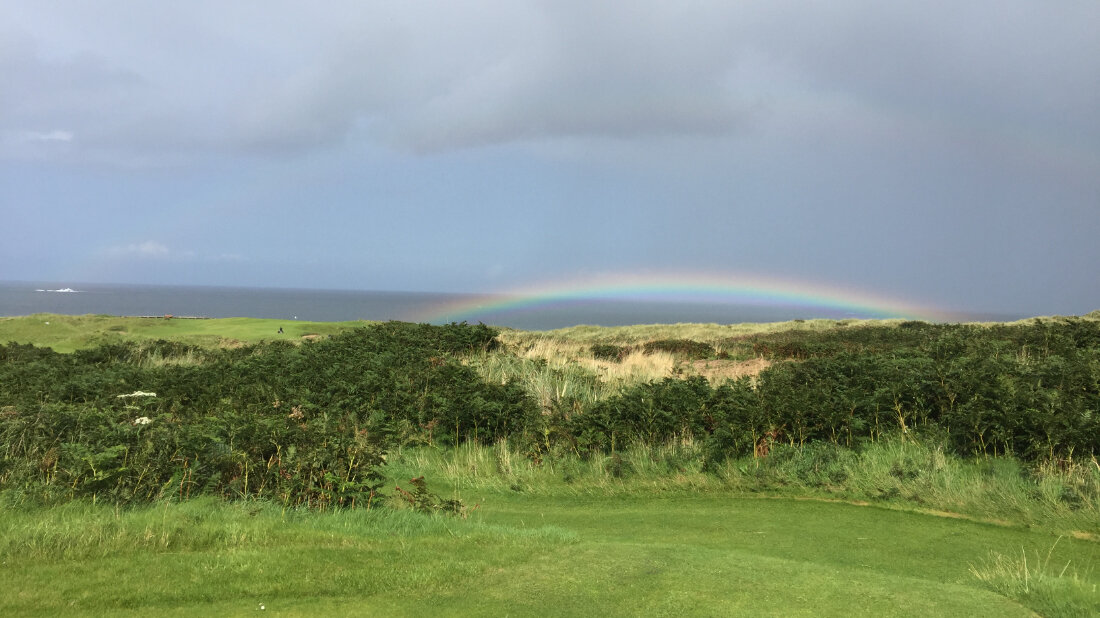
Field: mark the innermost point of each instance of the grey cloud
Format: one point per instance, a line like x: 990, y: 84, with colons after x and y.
x: 279, y: 78
x: 152, y: 250
x: 444, y: 78
x: 149, y: 249
x: 57, y: 135
x: 594, y: 70
x: 56, y: 100
x: 996, y: 66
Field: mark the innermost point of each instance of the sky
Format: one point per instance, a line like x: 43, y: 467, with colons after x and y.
x: 942, y: 153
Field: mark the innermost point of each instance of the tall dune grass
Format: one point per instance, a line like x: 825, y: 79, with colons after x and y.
x: 559, y: 370
x: 912, y: 476
x: 83, y: 530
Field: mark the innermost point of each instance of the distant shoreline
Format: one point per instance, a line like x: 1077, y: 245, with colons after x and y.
x: 20, y: 298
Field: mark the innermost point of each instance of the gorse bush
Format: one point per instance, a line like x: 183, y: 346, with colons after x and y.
x: 652, y: 413
x: 1034, y: 406
x: 681, y: 347
x: 312, y: 423
x: 305, y: 424
x: 609, y: 352
x: 60, y: 451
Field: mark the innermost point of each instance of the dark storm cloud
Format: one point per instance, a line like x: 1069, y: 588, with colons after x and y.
x: 938, y: 150
x: 270, y: 78
x: 433, y: 78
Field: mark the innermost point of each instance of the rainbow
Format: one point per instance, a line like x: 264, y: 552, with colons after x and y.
x: 696, y: 288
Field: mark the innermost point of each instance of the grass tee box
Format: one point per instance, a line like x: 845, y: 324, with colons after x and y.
x: 702, y: 555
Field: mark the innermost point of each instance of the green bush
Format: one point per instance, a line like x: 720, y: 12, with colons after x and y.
x: 681, y: 347
x: 311, y: 423
x: 1029, y: 390
x: 306, y: 424
x: 609, y: 352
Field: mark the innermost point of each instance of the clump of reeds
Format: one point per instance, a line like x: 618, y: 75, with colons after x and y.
x: 1049, y: 589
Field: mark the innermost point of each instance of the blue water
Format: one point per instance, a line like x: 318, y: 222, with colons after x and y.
x: 24, y: 298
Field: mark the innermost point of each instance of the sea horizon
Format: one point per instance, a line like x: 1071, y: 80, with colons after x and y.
x: 18, y: 298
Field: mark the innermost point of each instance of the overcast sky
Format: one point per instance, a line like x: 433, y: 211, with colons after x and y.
x: 942, y: 152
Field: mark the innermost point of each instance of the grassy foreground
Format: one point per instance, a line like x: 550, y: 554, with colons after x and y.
x: 517, y: 554
x: 897, y: 527
x: 643, y: 534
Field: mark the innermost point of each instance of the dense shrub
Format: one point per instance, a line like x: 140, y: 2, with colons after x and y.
x: 649, y: 413
x: 609, y: 352
x: 300, y: 424
x: 681, y: 347
x: 1030, y: 390
x: 311, y: 423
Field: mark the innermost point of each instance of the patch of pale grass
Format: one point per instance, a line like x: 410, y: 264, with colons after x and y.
x: 634, y: 368
x: 547, y: 381
x: 709, y: 333
x: 556, y: 370
x: 154, y: 360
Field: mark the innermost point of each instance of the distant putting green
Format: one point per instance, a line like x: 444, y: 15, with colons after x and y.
x: 66, y: 333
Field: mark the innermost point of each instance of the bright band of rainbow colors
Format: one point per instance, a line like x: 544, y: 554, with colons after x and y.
x: 695, y: 288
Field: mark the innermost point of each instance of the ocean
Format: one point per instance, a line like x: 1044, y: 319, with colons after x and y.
x: 25, y: 298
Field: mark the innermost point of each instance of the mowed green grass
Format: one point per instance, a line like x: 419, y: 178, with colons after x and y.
x: 66, y: 333
x: 515, y: 555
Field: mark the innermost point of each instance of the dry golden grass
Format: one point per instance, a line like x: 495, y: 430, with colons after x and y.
x: 707, y: 333
x: 560, y: 353
x: 558, y: 367
x: 565, y: 355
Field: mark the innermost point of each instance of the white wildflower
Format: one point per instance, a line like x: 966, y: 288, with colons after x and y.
x: 142, y: 420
